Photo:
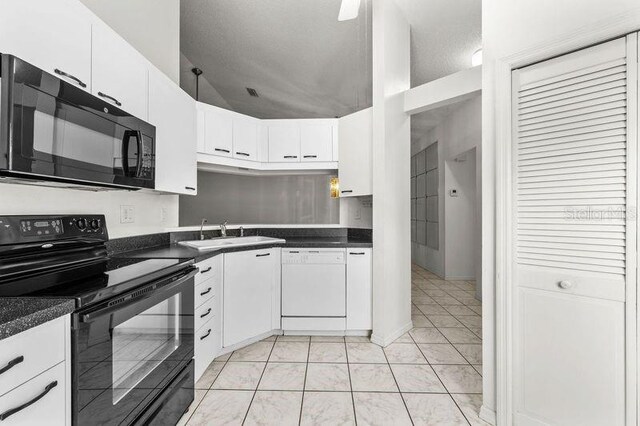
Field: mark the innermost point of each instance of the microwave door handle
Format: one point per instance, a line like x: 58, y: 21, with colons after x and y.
x: 140, y: 158
x: 125, y: 152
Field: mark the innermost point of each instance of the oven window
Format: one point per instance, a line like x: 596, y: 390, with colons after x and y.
x: 141, y: 343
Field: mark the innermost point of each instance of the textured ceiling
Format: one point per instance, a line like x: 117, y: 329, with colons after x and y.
x: 295, y: 53
x: 444, y: 35
x: 303, y: 62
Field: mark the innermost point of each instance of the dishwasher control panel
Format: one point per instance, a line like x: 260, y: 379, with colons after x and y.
x: 313, y: 256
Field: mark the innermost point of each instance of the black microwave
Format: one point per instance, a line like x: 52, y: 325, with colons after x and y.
x: 52, y: 131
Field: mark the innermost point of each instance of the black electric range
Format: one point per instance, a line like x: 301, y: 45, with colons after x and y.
x: 132, y: 330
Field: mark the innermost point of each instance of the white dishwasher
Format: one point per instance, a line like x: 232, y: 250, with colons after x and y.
x: 314, y: 291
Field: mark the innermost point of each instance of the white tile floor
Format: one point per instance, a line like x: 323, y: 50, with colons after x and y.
x: 430, y: 376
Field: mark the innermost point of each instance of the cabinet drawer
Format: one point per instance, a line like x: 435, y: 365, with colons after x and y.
x: 46, y: 395
x: 208, y: 342
x: 205, y: 291
x: 205, y: 312
x: 25, y: 352
x: 209, y: 269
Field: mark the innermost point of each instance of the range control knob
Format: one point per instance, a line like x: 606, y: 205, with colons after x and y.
x: 95, y: 224
x: 81, y: 224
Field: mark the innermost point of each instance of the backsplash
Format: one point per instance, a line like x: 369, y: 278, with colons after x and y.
x: 299, y: 199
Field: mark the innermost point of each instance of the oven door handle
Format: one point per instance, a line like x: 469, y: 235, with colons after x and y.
x: 156, y: 290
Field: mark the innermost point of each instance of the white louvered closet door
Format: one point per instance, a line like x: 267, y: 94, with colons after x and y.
x: 574, y: 177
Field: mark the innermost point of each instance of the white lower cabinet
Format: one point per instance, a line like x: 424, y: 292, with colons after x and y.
x: 251, y: 294
x: 36, y: 388
x: 359, y: 289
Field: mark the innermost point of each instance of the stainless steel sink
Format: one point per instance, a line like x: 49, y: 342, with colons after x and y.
x: 218, y: 243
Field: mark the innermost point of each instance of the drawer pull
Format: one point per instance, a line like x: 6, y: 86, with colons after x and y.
x: 360, y: 253
x: 263, y: 254
x: 310, y: 156
x: 206, y: 313
x: 207, y: 291
x: 190, y: 188
x: 347, y: 191
x: 206, y: 335
x: 222, y: 150
x: 12, y: 364
x: 12, y: 411
x: 565, y: 284
x: 204, y: 271
x: 244, y: 154
x: 72, y: 77
x: 290, y: 156
x: 111, y: 98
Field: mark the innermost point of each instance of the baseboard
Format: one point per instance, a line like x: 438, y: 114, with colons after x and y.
x: 247, y: 342
x: 384, y: 342
x: 488, y: 415
x: 465, y: 278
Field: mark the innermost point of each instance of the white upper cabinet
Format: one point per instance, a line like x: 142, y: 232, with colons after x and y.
x: 356, y: 140
x: 173, y: 112
x: 316, y: 142
x: 218, y: 131
x: 52, y: 35
x: 284, y: 142
x: 119, y: 72
x: 245, y: 137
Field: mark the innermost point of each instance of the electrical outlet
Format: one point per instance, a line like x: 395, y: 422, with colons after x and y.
x: 163, y: 214
x: 357, y: 214
x: 127, y: 214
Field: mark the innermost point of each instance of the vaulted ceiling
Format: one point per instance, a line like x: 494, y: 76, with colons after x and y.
x: 303, y: 62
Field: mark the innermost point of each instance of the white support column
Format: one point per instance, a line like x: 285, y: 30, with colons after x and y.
x: 391, y: 174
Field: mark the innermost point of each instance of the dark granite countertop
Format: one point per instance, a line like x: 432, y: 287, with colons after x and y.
x: 18, y: 314
x: 178, y: 251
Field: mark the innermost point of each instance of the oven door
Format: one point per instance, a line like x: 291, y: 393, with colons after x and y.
x: 129, y: 349
x: 56, y: 131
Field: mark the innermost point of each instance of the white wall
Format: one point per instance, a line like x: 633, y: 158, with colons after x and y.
x: 153, y: 212
x: 356, y: 212
x: 510, y: 27
x: 391, y: 174
x: 460, y: 220
x: 151, y: 26
x: 459, y: 132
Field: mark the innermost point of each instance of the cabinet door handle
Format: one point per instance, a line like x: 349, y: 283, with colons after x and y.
x: 207, y: 291
x: 222, y: 150
x: 111, y: 98
x: 206, y: 335
x: 263, y: 254
x: 244, y: 154
x: 347, y: 191
x: 12, y: 411
x: 357, y: 253
x: 206, y: 313
x: 12, y: 364
x: 204, y: 271
x: 310, y: 156
x: 190, y: 188
x: 69, y: 76
x: 290, y: 156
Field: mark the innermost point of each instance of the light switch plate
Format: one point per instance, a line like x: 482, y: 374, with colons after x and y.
x: 127, y: 214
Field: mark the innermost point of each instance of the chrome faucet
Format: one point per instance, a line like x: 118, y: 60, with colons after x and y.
x: 202, y: 226
x: 242, y: 231
x: 223, y: 229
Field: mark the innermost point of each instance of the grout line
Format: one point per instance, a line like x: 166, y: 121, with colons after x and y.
x: 304, y: 383
x: 353, y: 400
x: 398, y: 386
x: 244, y: 419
